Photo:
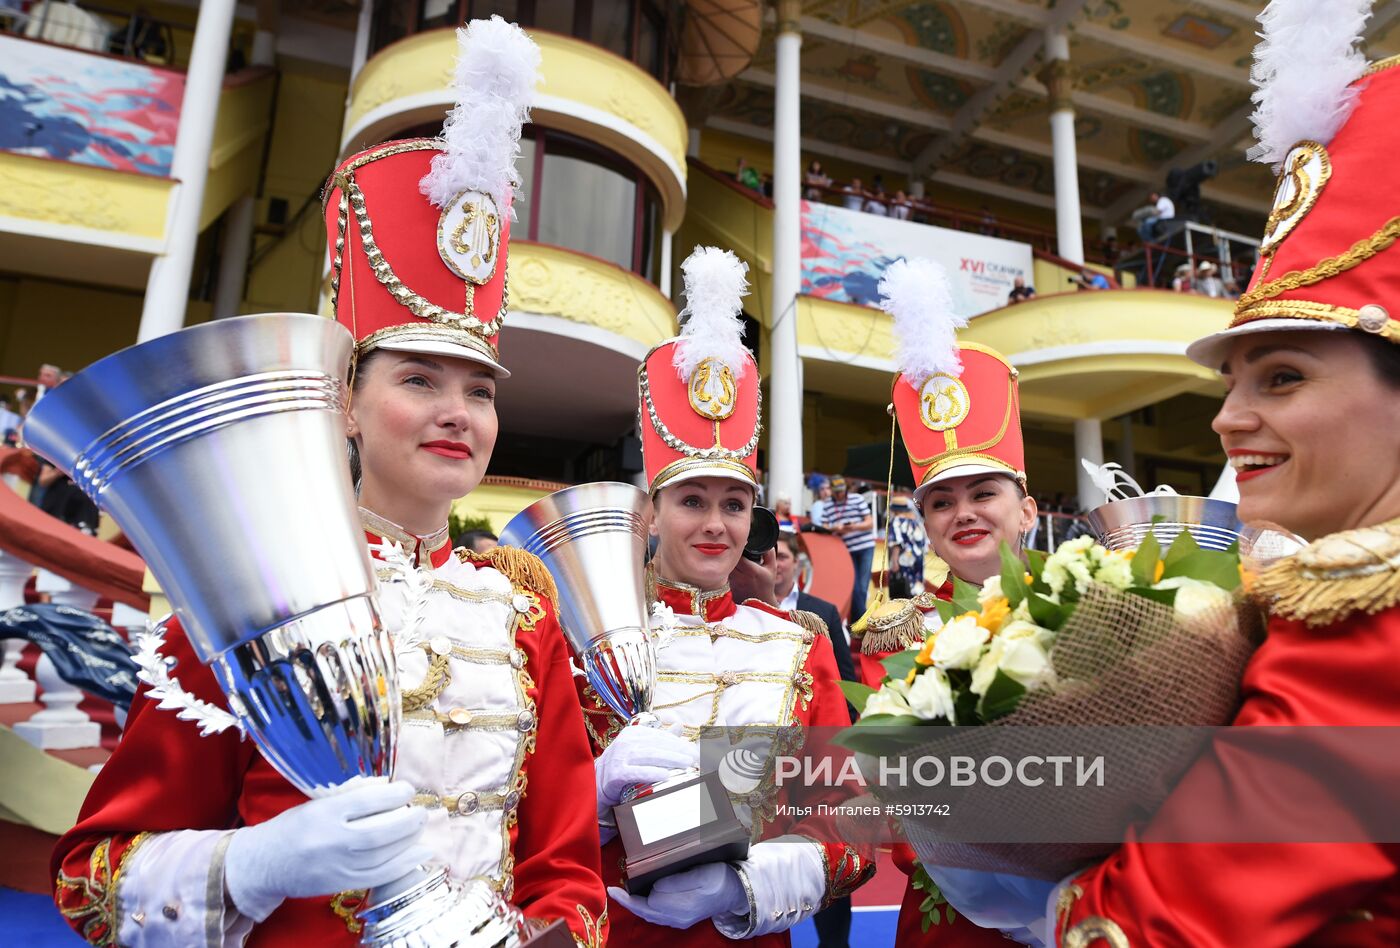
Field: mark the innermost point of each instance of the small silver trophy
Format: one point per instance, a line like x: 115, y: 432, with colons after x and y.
x: 593, y: 539
x: 220, y: 451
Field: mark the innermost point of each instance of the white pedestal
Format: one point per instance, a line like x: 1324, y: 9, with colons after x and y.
x: 60, y: 726
x: 15, y: 686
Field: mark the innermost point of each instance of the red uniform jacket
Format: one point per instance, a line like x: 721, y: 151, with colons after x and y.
x: 164, y: 777
x: 814, y: 700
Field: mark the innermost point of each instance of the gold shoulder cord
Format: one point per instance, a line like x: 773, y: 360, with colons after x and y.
x: 1352, y: 571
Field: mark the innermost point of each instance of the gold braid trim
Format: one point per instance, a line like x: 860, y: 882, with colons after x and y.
x: 439, y: 676
x: 891, y: 627
x: 810, y: 622
x: 1095, y: 929
x: 97, y: 892
x: 346, y: 904
x: 1360, y: 252
x: 595, y: 930
x: 521, y: 568
x: 1352, y: 571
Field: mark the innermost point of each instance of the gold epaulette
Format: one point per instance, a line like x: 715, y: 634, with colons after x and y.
x: 1352, y: 571
x: 890, y: 627
x: 810, y: 621
x: 521, y: 568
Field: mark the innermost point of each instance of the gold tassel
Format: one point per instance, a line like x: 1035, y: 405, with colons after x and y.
x: 1353, y: 571
x: 811, y: 622
x: 521, y: 568
x: 890, y: 627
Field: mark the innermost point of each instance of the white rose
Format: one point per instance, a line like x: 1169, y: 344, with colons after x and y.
x: 1026, y: 661
x: 990, y: 590
x: 1019, y: 650
x: 1195, y: 597
x: 888, y: 700
x: 959, y: 644
x: 931, y: 696
x: 1020, y: 629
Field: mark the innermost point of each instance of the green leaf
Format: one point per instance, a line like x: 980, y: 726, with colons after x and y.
x: 857, y: 693
x: 1211, y: 566
x: 900, y: 664
x: 951, y: 912
x: 1003, y: 696
x: 885, y: 735
x: 965, y: 597
x: 1035, y: 560
x: 1183, y: 546
x: 1145, y: 560
x: 1049, y: 615
x: 946, y: 610
x: 1013, y: 576
x: 1164, y: 596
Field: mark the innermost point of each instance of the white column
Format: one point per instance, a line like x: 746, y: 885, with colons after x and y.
x: 667, y: 239
x: 692, y: 143
x: 61, y: 725
x: 362, y: 31
x: 15, y: 685
x: 1088, y: 446
x: 785, y: 380
x: 233, y: 262
x: 168, y: 286
x: 1059, y: 79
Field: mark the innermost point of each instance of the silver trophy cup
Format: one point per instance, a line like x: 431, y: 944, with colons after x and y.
x: 1124, y: 524
x: 593, y: 539
x: 220, y: 452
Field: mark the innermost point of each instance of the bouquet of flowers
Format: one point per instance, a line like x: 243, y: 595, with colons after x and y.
x: 1086, y: 636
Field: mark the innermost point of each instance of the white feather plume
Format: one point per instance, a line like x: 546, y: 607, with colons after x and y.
x: 715, y: 285
x: 917, y: 295
x: 497, y: 68
x: 1304, y: 66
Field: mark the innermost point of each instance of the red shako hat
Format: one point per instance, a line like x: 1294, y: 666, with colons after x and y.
x: 698, y: 394
x: 418, y: 231
x: 958, y: 408
x: 1326, y: 122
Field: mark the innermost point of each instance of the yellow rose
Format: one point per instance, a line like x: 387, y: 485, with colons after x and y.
x: 994, y: 613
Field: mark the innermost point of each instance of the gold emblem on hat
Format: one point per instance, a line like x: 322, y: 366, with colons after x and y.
x: 1305, y: 172
x: 943, y: 402
x: 469, y: 236
x: 713, y: 393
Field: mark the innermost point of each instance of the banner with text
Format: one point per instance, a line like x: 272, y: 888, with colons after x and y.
x: 844, y: 254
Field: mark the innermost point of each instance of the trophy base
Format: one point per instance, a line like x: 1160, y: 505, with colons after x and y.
x: 677, y: 825
x: 432, y: 912
x: 555, y: 935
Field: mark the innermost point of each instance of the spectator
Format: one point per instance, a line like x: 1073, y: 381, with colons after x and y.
x: 989, y: 222
x: 477, y: 541
x: 821, y: 491
x: 849, y: 517
x: 901, y: 207
x: 782, y: 509
x: 908, y: 545
x: 876, y: 202
x: 1162, y: 210
x: 748, y: 176
x: 815, y: 182
x: 1019, y: 291
x: 833, y: 923
x: 1182, y: 281
x: 854, y: 195
x: 1091, y: 280
x: 9, y: 423
x: 50, y: 376
x: 1208, y: 280
x: 56, y: 495
x: 1110, y: 248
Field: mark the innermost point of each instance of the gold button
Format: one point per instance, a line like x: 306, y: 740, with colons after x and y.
x: 1372, y: 317
x: 441, y: 645
x: 468, y: 803
x: 459, y: 716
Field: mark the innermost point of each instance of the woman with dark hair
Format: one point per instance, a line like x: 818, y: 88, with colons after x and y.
x: 193, y: 840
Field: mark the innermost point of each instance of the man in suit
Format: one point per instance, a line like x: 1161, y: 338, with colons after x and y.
x: 834, y: 922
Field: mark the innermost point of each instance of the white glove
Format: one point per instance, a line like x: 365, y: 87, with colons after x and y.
x: 679, y: 901
x: 363, y: 836
x: 639, y: 755
x: 1014, y: 905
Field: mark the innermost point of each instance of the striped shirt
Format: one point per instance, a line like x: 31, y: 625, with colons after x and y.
x: 853, y: 509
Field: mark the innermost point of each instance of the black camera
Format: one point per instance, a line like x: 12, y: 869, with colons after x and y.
x: 763, y: 534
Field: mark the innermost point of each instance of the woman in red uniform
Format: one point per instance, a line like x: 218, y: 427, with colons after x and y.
x: 1311, y: 424
x: 722, y: 663
x: 189, y: 840
x: 959, y: 416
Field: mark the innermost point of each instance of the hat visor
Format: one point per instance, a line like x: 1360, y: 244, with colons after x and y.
x: 1210, y: 351
x: 450, y: 349
x: 959, y: 470
x: 691, y: 473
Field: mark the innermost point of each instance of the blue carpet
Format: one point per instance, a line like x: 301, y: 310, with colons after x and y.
x: 32, y: 921
x: 872, y: 929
